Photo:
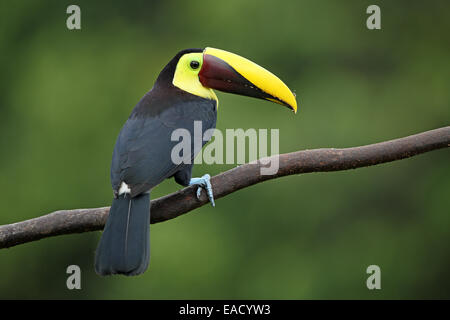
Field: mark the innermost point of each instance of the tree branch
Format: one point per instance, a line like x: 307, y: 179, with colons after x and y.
x: 183, y: 201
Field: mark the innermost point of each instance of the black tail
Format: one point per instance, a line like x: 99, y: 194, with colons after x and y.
x: 124, y: 247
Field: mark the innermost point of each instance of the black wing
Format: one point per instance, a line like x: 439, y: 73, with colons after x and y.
x: 142, y: 155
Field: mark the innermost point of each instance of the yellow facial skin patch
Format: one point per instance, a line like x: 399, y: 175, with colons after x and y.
x: 260, y: 77
x: 186, y: 77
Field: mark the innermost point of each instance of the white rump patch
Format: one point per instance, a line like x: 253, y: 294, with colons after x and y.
x: 124, y: 188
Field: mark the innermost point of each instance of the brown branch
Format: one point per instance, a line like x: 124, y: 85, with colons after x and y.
x: 183, y: 201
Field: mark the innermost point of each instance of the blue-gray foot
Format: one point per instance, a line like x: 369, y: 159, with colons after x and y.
x: 205, y: 183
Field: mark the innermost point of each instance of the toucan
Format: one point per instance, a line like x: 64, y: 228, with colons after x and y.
x: 181, y: 95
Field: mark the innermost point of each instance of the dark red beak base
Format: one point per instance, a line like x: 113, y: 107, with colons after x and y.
x: 217, y: 74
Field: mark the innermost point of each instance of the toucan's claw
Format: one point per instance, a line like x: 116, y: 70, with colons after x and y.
x: 199, y: 192
x: 204, y: 183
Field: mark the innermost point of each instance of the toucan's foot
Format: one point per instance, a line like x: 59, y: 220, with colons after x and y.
x: 205, y: 183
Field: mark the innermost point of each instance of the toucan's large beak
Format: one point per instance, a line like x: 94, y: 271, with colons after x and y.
x: 228, y: 72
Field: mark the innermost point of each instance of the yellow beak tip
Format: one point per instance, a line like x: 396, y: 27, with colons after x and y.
x: 293, y: 106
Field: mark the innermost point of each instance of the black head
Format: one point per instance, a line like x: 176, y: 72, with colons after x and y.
x: 167, y: 74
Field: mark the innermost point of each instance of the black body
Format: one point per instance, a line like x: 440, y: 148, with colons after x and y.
x: 142, y: 155
x: 142, y: 159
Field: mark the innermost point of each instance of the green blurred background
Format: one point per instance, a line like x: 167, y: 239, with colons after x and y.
x: 65, y: 95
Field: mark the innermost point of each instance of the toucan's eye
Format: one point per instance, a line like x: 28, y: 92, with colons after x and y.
x: 195, y: 64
